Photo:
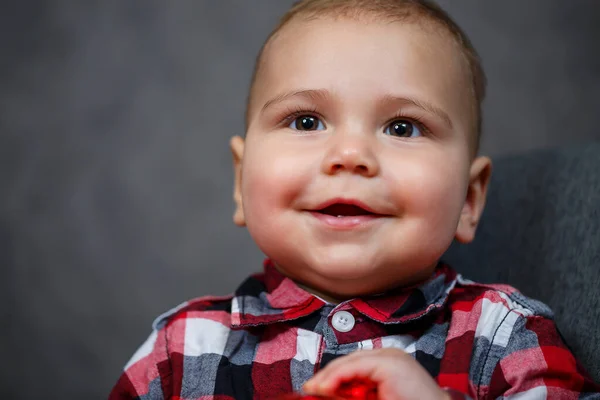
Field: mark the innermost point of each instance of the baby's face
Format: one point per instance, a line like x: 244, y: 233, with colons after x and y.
x: 356, y: 162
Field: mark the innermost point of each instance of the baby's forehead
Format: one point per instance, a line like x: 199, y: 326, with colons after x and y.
x: 420, y: 25
x: 445, y: 43
x: 293, y: 56
x: 440, y: 42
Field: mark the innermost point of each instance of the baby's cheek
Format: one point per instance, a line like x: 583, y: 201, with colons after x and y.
x: 271, y: 184
x: 432, y: 192
x: 271, y: 224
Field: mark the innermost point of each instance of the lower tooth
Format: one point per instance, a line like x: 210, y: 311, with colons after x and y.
x: 340, y: 216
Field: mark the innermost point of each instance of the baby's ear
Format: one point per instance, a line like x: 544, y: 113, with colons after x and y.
x: 236, y: 145
x: 479, y: 179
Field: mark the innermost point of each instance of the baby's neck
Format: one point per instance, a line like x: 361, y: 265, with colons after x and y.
x: 318, y: 294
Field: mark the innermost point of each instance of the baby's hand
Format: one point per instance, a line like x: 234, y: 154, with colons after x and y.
x: 398, y: 376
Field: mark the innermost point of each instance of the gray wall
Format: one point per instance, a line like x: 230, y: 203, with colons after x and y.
x: 115, y: 175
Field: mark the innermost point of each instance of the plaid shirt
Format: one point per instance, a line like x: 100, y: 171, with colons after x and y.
x: 486, y: 341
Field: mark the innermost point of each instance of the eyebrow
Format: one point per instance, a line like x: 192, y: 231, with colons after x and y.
x: 310, y: 94
x: 322, y: 94
x: 422, y: 104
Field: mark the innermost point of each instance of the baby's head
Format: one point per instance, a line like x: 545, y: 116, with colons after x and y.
x: 359, y: 164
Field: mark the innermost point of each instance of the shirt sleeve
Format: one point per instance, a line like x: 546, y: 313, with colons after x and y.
x: 148, y: 374
x: 528, y: 359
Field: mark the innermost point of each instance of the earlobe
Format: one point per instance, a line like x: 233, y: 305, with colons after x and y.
x: 479, y: 179
x: 236, y: 145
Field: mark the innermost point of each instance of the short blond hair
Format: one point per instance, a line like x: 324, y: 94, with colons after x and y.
x: 389, y: 10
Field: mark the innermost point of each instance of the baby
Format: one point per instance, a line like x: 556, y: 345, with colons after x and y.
x: 358, y: 169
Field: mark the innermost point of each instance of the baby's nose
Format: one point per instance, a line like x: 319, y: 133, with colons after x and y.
x: 351, y: 153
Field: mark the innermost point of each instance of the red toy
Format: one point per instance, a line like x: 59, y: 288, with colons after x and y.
x: 356, y: 389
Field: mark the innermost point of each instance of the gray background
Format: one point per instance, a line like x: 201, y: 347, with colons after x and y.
x: 115, y: 174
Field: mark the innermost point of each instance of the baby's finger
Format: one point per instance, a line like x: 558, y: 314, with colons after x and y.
x: 329, y: 379
x: 360, y: 354
x: 332, y: 365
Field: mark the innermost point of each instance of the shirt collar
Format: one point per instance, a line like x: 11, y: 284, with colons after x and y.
x: 271, y: 297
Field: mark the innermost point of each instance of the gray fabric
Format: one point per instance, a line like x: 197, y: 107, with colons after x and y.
x: 540, y: 232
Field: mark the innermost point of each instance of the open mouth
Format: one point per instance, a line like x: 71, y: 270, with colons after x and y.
x: 344, y: 210
x: 346, y: 214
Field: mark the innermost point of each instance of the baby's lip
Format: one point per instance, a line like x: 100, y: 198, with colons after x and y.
x: 345, y: 207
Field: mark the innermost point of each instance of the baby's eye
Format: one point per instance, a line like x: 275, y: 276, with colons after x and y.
x: 307, y: 123
x: 402, y: 128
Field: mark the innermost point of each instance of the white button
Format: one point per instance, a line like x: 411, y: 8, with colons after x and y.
x: 343, y: 321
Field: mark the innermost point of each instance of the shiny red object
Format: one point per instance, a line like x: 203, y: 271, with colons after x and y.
x: 297, y: 396
x: 356, y: 389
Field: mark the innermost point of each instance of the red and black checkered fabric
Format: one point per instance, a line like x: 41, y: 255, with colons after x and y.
x: 481, y: 341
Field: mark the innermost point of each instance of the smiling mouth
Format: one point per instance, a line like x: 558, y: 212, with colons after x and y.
x: 344, y: 210
x: 346, y: 215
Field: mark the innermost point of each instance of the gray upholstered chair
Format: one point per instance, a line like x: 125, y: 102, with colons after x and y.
x: 540, y: 232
